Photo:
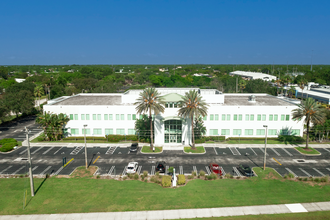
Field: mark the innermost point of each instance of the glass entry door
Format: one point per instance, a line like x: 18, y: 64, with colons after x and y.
x: 172, y: 138
x: 173, y: 131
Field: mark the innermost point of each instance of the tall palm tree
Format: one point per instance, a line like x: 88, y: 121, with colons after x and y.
x: 192, y: 106
x: 38, y: 92
x: 302, y: 84
x: 310, y: 111
x: 150, y: 101
x: 52, y: 124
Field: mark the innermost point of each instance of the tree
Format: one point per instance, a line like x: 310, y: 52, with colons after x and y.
x: 192, y: 106
x: 302, y: 84
x: 52, y: 125
x: 20, y: 102
x: 310, y: 111
x: 38, y: 92
x: 199, y: 127
x: 150, y: 101
x: 142, y: 127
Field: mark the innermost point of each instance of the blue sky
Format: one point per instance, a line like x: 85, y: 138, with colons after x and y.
x: 164, y: 32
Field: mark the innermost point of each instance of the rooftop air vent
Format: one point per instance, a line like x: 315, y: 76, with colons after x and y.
x: 252, y: 98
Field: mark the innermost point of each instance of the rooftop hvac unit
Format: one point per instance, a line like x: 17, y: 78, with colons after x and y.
x: 252, y: 98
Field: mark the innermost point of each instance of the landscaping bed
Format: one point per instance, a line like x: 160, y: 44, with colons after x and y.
x: 146, y: 149
x: 309, y: 151
x: 198, y: 150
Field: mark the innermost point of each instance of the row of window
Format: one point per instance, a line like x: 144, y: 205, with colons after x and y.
x: 214, y: 132
x: 119, y: 117
x: 98, y: 131
x: 248, y: 117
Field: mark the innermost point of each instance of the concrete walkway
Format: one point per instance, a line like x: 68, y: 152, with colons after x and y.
x: 183, y: 213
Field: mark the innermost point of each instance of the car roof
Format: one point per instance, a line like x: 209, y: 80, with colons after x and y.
x: 214, y: 164
x: 132, y: 163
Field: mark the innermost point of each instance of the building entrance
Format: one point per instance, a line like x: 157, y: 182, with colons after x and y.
x: 173, y: 131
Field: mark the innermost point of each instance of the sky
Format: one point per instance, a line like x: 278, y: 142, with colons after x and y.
x: 164, y: 32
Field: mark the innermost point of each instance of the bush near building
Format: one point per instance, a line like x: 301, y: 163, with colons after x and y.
x: 118, y: 138
x: 7, y: 144
x: 210, y: 138
x: 166, y: 181
x: 181, y: 179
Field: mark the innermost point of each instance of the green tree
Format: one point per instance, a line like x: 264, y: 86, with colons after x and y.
x: 142, y: 127
x: 199, y: 128
x: 150, y: 101
x: 38, y: 92
x: 309, y: 111
x: 302, y: 83
x: 192, y: 106
x: 20, y: 102
x: 52, y: 124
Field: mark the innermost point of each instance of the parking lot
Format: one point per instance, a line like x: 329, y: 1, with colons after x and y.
x: 112, y: 160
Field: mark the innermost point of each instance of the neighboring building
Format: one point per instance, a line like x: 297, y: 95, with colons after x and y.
x: 230, y: 115
x: 253, y: 75
x: 163, y: 69
x: 19, y: 80
x: 320, y: 95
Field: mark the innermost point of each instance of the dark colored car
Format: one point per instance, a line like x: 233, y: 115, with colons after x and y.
x: 134, y: 147
x: 160, y: 166
x: 215, y: 168
x: 245, y: 170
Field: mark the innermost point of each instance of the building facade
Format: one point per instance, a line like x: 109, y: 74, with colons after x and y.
x: 230, y: 115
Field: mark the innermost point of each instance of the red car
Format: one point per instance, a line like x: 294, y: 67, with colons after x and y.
x: 215, y: 168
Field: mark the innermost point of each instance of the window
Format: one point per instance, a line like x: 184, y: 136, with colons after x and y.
x: 270, y: 117
x: 248, y: 132
x: 82, y: 116
x: 71, y: 116
x: 204, y: 118
x: 99, y: 117
x: 122, y: 117
x: 228, y: 117
x: 216, y: 117
x: 258, y: 117
x: 134, y: 116
x: 211, y: 117
x: 287, y: 117
x: 117, y: 117
x: 75, y: 116
x: 97, y: 131
x: 223, y: 117
x: 94, y: 116
x: 251, y: 117
x: 240, y: 117
x: 88, y: 131
x: 247, y: 117
x: 131, y: 131
x: 260, y: 131
x: 106, y: 116
x: 284, y: 132
x: 140, y: 116
x: 237, y: 131
x: 235, y: 117
x: 213, y: 132
x: 120, y: 131
x: 74, y: 131
x: 166, y: 105
x: 129, y: 117
x: 272, y: 131
x: 275, y: 117
x: 110, y: 117
x: 225, y: 132
x: 87, y: 116
x: 282, y: 117
x: 264, y: 117
x: 108, y: 131
x: 295, y: 132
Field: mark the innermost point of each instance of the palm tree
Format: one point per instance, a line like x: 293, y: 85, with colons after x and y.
x: 38, y: 92
x: 292, y: 90
x: 302, y: 84
x: 192, y: 106
x: 52, y: 124
x: 310, y: 111
x: 150, y: 101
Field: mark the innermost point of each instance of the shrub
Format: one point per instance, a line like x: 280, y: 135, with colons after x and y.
x: 98, y: 177
x: 145, y: 180
x: 153, y: 179
x: 125, y: 178
x: 317, y: 180
x: 118, y: 138
x: 7, y: 140
x: 305, y: 179
x: 190, y: 177
x: 157, y: 174
x: 228, y: 175
x: 170, y: 170
x: 166, y: 181
x: 202, y: 173
x: 193, y: 173
x: 181, y: 179
x: 325, y: 179
x: 290, y: 175
x: 212, y: 176
x: 142, y: 177
x: 145, y: 173
x: 136, y: 176
x: 290, y: 138
x: 129, y: 176
x: 7, y: 146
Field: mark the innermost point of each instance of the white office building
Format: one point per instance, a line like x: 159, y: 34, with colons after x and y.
x: 230, y: 115
x: 253, y: 75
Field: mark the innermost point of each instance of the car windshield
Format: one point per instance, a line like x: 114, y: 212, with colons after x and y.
x: 215, y: 167
x: 130, y: 168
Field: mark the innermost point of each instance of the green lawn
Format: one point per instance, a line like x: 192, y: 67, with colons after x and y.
x: 70, y: 195
x: 197, y: 150
x: 146, y: 149
x: 309, y: 151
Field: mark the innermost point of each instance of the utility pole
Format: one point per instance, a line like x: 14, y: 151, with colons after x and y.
x: 30, y: 163
x: 265, y: 126
x: 236, y: 84
x: 85, y: 146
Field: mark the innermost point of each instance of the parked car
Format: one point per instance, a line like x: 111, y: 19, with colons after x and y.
x: 215, y: 168
x: 134, y: 147
x: 245, y: 170
x: 160, y: 166
x: 132, y: 167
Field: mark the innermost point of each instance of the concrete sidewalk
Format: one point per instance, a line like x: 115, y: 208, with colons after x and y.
x: 183, y: 213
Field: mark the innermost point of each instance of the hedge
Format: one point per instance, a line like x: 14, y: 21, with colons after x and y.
x: 210, y: 138
x: 251, y: 138
x: 166, y: 181
x: 7, y: 140
x: 8, y: 146
x: 181, y: 179
x: 87, y: 138
x: 118, y: 138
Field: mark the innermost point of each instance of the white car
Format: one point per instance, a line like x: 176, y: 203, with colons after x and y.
x: 132, y: 167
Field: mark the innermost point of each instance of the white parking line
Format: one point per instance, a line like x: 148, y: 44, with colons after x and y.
x: 124, y: 171
x: 277, y: 153
x: 58, y: 171
x: 139, y: 170
x: 6, y: 169
x: 48, y: 150
x: 234, y: 151
x: 111, y: 170
x: 153, y: 170
x: 18, y: 170
x: 57, y: 152
x: 195, y: 169
x: 23, y: 151
x: 236, y: 171
x: 34, y: 168
x: 43, y: 172
x: 208, y: 170
x: 285, y: 150
x: 326, y: 149
x: 322, y: 174
x: 76, y: 150
x: 263, y: 151
x: 305, y: 172
x: 254, y: 151
x: 290, y: 171
x: 166, y: 169
x: 39, y: 148
x: 328, y: 169
x: 181, y: 169
x: 222, y: 171
x: 111, y: 150
x: 215, y: 151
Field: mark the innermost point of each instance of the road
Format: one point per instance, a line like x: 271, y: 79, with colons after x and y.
x: 112, y: 160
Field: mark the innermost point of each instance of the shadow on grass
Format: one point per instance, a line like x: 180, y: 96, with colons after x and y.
x: 44, y: 180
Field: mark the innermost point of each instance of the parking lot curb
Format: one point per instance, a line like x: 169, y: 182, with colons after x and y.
x: 194, y: 153
x: 153, y: 153
x: 309, y: 154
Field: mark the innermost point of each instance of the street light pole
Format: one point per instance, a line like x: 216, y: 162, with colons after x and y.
x: 265, y: 126
x: 85, y: 145
x: 30, y: 163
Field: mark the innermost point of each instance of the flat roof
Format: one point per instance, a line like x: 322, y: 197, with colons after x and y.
x: 261, y: 100
x: 91, y: 100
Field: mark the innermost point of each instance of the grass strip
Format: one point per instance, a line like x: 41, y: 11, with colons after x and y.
x: 81, y: 195
x: 197, y: 150
x: 146, y: 149
x: 310, y: 151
